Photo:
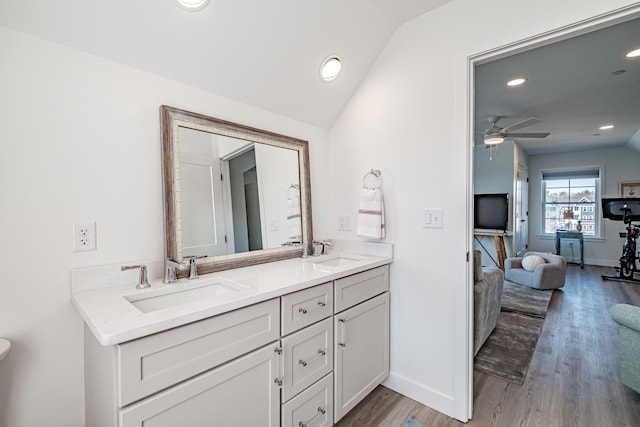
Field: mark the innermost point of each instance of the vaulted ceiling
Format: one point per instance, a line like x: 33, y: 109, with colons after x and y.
x: 263, y: 53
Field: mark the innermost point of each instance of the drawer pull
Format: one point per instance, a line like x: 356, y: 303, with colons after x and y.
x: 278, y: 381
x: 322, y: 303
x: 321, y: 411
x: 343, y: 342
x: 302, y: 310
x: 321, y: 353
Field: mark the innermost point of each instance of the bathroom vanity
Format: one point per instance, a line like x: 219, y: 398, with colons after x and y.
x: 290, y: 343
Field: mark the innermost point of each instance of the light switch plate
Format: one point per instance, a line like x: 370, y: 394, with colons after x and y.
x: 432, y: 218
x: 344, y: 223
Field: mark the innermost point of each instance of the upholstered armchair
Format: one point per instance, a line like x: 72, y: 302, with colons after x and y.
x: 628, y: 318
x: 548, y: 274
x: 487, y: 296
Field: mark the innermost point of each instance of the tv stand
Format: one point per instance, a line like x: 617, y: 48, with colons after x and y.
x: 498, y: 239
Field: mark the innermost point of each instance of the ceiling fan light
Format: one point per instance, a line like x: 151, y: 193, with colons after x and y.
x: 633, y: 54
x: 516, y: 82
x: 493, y: 140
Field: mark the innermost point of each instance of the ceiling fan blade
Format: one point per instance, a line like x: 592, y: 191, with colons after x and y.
x: 527, y: 135
x: 528, y: 122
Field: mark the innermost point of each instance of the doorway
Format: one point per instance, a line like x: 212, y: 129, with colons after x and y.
x: 520, y: 188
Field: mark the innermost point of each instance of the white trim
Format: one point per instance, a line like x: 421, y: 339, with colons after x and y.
x: 418, y: 392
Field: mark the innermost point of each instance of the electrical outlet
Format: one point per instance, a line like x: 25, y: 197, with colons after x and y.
x: 84, y: 237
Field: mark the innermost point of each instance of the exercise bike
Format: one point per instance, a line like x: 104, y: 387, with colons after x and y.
x: 627, y: 210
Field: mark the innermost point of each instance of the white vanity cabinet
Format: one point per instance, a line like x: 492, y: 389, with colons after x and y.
x: 300, y: 359
x: 174, y: 369
x: 362, y: 337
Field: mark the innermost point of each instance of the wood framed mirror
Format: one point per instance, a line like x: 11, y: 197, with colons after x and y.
x: 233, y: 195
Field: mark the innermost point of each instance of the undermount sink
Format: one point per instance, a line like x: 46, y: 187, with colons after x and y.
x: 175, y: 295
x: 337, y: 261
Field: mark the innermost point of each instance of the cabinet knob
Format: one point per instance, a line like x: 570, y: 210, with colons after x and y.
x: 302, y: 310
x: 278, y: 381
x: 322, y: 303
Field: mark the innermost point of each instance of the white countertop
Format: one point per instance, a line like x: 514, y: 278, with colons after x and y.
x: 113, y: 319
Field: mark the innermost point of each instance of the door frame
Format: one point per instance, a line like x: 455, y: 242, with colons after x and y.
x: 544, y: 33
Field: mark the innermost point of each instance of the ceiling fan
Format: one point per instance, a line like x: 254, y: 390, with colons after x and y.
x: 496, y: 135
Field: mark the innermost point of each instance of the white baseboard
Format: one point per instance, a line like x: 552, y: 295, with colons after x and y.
x: 434, y: 399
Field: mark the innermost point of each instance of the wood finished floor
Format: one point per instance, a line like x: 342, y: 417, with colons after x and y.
x: 572, y: 380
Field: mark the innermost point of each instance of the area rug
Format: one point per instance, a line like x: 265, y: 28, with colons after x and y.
x: 508, y: 351
x: 522, y: 299
x: 412, y: 423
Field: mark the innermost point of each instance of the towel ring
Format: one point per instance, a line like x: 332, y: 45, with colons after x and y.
x: 296, y: 191
x: 377, y: 176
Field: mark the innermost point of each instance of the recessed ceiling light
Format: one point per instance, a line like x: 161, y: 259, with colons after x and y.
x: 330, y: 68
x: 193, y: 5
x: 633, y: 54
x: 516, y: 82
x: 605, y: 127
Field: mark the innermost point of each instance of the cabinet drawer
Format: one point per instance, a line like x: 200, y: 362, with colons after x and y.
x: 239, y: 393
x: 308, y: 356
x: 312, y: 407
x: 306, y: 307
x: 352, y: 290
x: 153, y: 363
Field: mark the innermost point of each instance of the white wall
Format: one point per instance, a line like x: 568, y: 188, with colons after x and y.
x: 277, y: 169
x: 619, y: 164
x: 408, y: 118
x: 81, y: 142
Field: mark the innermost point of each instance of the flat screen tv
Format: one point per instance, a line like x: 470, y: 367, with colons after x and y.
x: 491, y: 211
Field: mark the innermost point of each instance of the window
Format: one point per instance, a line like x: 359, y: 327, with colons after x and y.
x: 570, y: 197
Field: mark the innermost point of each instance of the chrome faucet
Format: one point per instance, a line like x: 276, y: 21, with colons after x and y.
x: 170, y: 267
x: 193, y: 266
x: 143, y: 282
x: 324, y: 244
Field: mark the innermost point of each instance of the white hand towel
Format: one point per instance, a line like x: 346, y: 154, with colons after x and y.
x: 371, y: 214
x: 294, y: 217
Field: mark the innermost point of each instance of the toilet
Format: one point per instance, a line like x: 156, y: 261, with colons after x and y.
x: 5, y: 345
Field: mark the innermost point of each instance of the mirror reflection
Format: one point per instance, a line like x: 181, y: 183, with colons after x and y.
x: 233, y: 195
x: 236, y: 195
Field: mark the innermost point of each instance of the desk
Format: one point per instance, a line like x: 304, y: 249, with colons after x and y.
x: 571, y: 235
x: 498, y: 239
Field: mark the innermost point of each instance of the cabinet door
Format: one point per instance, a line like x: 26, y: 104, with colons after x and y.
x: 239, y: 393
x: 361, y: 352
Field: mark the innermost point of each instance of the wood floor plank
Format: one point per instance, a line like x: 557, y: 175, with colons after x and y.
x: 572, y: 380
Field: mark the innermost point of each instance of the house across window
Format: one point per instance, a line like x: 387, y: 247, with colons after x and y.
x: 569, y: 197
